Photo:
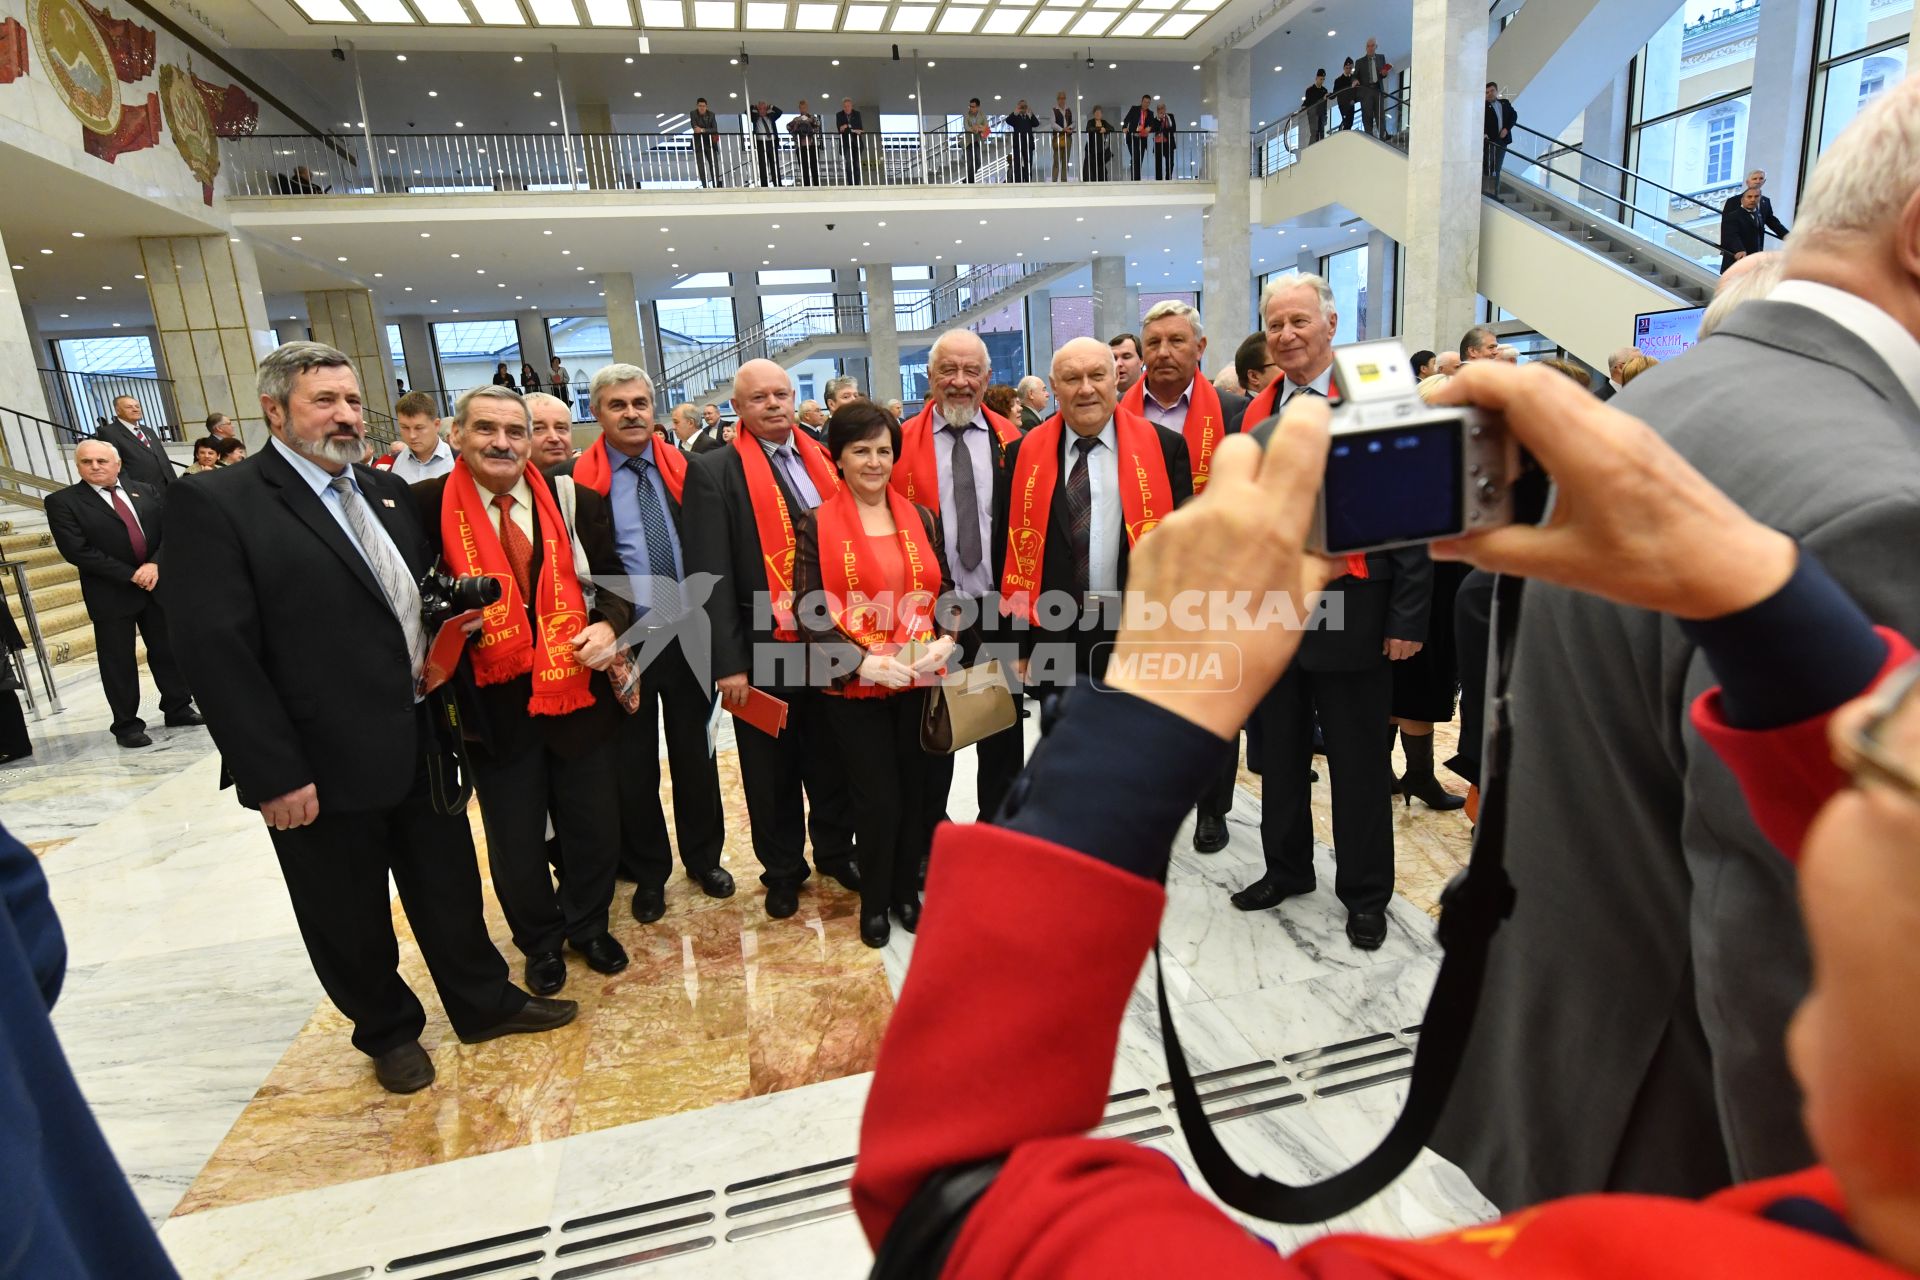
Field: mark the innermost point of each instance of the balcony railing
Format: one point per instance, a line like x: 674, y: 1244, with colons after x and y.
x: 477, y: 163
x: 83, y: 401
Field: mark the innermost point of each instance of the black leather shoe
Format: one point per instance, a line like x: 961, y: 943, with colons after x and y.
x: 717, y: 883
x: 134, y: 739
x: 848, y: 874
x: 404, y: 1069
x: 185, y: 719
x: 874, y: 930
x: 1263, y: 893
x: 541, y: 1014
x: 649, y: 903
x: 603, y: 954
x: 1210, y: 833
x: 546, y: 972
x: 1366, y: 930
x: 782, y: 900
x: 908, y: 913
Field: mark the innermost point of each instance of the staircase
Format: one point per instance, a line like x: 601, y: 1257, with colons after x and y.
x: 1686, y: 280
x: 54, y: 584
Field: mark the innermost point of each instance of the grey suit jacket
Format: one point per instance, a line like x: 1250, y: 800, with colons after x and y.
x: 1630, y: 1036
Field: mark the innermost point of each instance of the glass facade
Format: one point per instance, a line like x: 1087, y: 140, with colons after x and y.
x: 583, y: 345
x: 399, y: 355
x: 1346, y: 272
x: 1862, y: 53
x: 471, y: 350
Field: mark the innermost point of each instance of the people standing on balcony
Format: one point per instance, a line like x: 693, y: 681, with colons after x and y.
x: 1164, y: 136
x: 977, y: 126
x: 1370, y: 81
x: 1343, y: 88
x: 1138, y: 124
x: 1022, y: 123
x: 706, y: 143
x: 142, y: 454
x: 851, y: 129
x: 1099, y: 157
x: 557, y: 379
x: 1764, y: 214
x: 1313, y: 106
x: 503, y: 377
x: 805, y: 128
x: 1063, y: 129
x: 529, y: 378
x: 766, y: 142
x: 1501, y: 117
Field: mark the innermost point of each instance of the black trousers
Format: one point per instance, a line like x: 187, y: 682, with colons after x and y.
x: 973, y: 156
x: 1473, y: 639
x: 706, y: 154
x: 668, y: 689
x: 1373, y: 111
x: 1021, y: 161
x: 1217, y: 800
x: 515, y: 797
x: 769, y: 154
x: 1136, y: 153
x: 1162, y: 159
x: 850, y: 158
x: 796, y: 787
x: 998, y: 758
x: 879, y: 738
x: 1352, y: 707
x: 120, y: 670
x: 336, y: 870
x: 807, y: 161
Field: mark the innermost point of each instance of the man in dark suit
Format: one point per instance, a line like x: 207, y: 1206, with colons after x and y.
x: 1742, y: 230
x: 296, y: 608
x: 1166, y: 133
x: 1138, y: 126
x: 851, y: 129
x: 529, y: 757
x: 724, y: 540
x: 142, y: 454
x: 1174, y: 393
x: 1500, y: 119
x: 1343, y: 677
x: 110, y: 530
x: 1763, y: 214
x: 641, y: 518
x: 1089, y: 509
x: 1031, y: 395
x: 711, y: 433
x: 1370, y: 83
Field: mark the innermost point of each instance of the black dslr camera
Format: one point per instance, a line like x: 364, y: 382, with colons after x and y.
x: 443, y: 595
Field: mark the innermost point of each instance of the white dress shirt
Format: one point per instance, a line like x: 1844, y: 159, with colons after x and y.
x: 978, y: 580
x: 106, y: 496
x: 321, y: 482
x: 1103, y: 483
x: 413, y: 471
x: 1889, y: 339
x: 1290, y: 388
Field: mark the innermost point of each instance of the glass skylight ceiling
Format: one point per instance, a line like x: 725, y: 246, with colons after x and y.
x: 1065, y: 19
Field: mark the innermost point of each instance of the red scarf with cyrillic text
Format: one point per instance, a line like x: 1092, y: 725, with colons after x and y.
x: 595, y: 467
x: 1260, y: 410
x: 508, y: 643
x: 878, y: 615
x: 916, y: 473
x: 1146, y: 498
x: 1204, y: 428
x: 774, y: 523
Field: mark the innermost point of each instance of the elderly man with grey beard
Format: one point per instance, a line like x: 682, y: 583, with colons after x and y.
x: 273, y: 564
x: 952, y: 455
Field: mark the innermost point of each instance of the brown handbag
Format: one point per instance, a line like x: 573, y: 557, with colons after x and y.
x: 967, y: 705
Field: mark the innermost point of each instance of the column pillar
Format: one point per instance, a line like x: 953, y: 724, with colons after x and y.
x: 623, y: 318
x: 595, y: 130
x: 416, y: 344
x: 1225, y: 246
x: 656, y: 361
x: 846, y: 284
x: 212, y: 319
x: 1116, y: 309
x: 1381, y: 286
x: 1603, y: 135
x: 20, y: 356
x: 1040, y: 327
x: 883, y: 338
x: 1776, y: 122
x: 346, y: 319
x: 535, y: 347
x: 1444, y: 168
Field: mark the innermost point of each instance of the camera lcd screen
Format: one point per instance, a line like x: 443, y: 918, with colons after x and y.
x: 1394, y: 485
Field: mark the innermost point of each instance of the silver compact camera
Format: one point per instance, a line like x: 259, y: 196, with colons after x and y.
x: 1401, y: 473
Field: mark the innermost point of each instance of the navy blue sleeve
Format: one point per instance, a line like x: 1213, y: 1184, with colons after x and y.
x: 24, y: 897
x: 1114, y: 779
x: 1798, y: 654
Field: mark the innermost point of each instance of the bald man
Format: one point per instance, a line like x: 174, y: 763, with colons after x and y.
x: 733, y: 509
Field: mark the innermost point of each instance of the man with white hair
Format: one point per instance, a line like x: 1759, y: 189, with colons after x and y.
x: 1647, y: 985
x: 812, y: 419
x: 1030, y: 393
x: 1615, y: 363
x: 1762, y: 213
x: 1752, y: 277
x: 1343, y: 677
x: 953, y: 454
x: 1447, y: 363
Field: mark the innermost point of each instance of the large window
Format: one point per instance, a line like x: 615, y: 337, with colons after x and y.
x: 583, y: 345
x: 1346, y: 272
x: 399, y: 355
x: 471, y: 351
x: 93, y: 372
x: 1863, y: 53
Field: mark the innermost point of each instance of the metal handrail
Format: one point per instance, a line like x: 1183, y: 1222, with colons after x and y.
x: 31, y: 617
x: 1579, y: 150
x: 1623, y: 203
x: 86, y: 399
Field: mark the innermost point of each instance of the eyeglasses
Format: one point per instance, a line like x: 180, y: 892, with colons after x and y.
x: 1866, y: 754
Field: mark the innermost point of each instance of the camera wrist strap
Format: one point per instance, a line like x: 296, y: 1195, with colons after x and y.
x: 1471, y: 909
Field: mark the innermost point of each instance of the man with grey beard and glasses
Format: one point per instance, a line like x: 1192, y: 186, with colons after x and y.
x: 295, y: 576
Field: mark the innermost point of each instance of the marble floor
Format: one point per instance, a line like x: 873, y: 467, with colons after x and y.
x: 699, y: 1117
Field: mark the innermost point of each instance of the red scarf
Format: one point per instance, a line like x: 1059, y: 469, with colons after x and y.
x: 774, y: 522
x: 916, y: 474
x: 1146, y: 496
x: 508, y: 644
x: 1204, y: 428
x: 595, y: 468
x: 1260, y: 410
x: 875, y: 614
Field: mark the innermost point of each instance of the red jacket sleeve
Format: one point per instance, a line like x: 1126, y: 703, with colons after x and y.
x: 1788, y: 773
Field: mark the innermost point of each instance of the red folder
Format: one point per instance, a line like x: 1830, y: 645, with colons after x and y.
x: 443, y: 655
x: 763, y: 711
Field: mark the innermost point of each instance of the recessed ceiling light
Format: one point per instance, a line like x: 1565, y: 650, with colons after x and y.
x: 836, y: 62
x: 1023, y: 66
x: 107, y: 287
x: 1113, y: 66
x: 673, y: 264
x: 864, y: 244
x: 771, y: 246
x: 766, y: 262
x: 453, y: 255
x: 79, y: 235
x: 565, y: 252
x: 19, y: 266
x: 501, y: 285
x: 1128, y: 236
x: 50, y: 251
x: 1333, y: 33
x: 433, y: 93
x: 881, y: 224
x: 1046, y: 237
x: 433, y: 302
x: 63, y: 315
x: 399, y: 57
x: 139, y: 277
x: 79, y: 297
x: 234, y: 239
x: 479, y: 271
x: 459, y: 124
x: 293, y: 238
x: 579, y: 268
x: 629, y: 61
x: 456, y: 311
x: 339, y: 259
x: 1196, y: 66
x: 116, y: 324
x: 518, y: 58
x: 521, y: 297
x: 408, y: 288
x: 636, y: 93
x: 378, y: 274
x: 1080, y: 219
x: 546, y: 233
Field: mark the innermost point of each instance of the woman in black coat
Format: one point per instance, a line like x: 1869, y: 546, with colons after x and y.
x: 14, y: 742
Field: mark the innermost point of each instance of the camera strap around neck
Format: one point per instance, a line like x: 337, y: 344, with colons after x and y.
x: 1471, y: 909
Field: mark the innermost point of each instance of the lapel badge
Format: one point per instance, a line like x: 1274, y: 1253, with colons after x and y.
x: 387, y: 501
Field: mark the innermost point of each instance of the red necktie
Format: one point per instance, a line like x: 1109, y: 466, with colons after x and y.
x: 514, y: 543
x: 125, y: 512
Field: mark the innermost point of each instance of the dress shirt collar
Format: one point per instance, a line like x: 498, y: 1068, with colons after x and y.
x: 1322, y: 384
x: 620, y: 459
x: 1888, y: 338
x: 441, y: 449
x: 1181, y: 402
x: 108, y: 490
x: 521, y: 493
x: 1068, y: 435
x: 772, y: 448
x: 318, y: 478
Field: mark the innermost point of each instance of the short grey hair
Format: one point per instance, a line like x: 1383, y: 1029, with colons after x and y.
x: 104, y: 444
x: 685, y: 409
x: 1174, y: 307
x: 489, y: 392
x: 836, y: 385
x: 613, y: 375
x: 1619, y: 358
x: 1029, y: 384
x: 1866, y: 177
x: 1754, y: 276
x: 956, y: 335
x: 1297, y: 280
x: 286, y: 362
x: 541, y: 397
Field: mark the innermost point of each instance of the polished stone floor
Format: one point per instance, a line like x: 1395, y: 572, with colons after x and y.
x: 696, y: 1120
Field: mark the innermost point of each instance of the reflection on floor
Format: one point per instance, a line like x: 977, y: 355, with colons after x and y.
x: 698, y: 1091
